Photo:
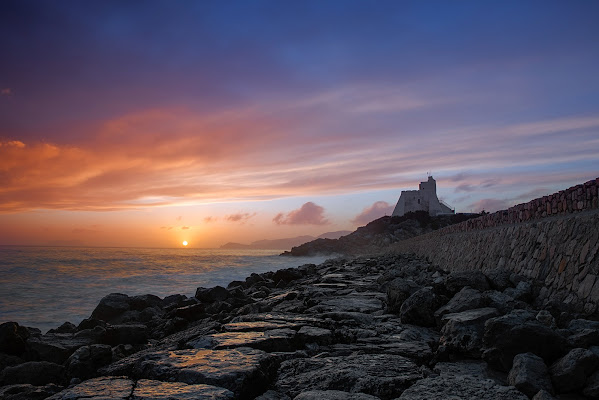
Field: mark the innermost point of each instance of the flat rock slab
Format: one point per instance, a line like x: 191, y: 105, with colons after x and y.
x: 381, y: 375
x: 117, y: 388
x: 333, y: 395
x: 156, y: 390
x: 352, y: 303
x: 242, y: 370
x: 272, y: 340
x: 104, y: 388
x: 258, y: 326
x: 460, y: 387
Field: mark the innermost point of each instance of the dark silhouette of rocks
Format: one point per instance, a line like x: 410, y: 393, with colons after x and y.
x: 390, y: 326
x: 379, y: 234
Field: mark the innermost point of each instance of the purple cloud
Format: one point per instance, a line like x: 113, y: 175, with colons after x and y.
x: 308, y: 214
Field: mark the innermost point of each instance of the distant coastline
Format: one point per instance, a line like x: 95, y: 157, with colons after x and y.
x: 282, y: 244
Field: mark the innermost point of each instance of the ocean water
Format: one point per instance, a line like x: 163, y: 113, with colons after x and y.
x: 43, y: 287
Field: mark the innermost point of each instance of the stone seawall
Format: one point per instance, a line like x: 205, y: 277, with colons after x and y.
x: 553, y: 239
x: 576, y: 199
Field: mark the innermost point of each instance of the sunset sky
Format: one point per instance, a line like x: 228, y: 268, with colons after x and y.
x: 146, y: 123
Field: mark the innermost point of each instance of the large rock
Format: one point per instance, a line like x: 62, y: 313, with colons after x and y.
x: 381, y: 375
x: 463, y: 331
x: 333, y: 395
x: 57, y: 347
x: 570, y: 372
x: 465, y: 299
x: 216, y: 293
x: 499, y: 278
x: 28, y: 392
x: 460, y: 387
x: 455, y: 281
x: 86, y: 360
x: 111, y: 306
x: 519, y: 332
x: 419, y: 308
x: 103, y: 388
x: 13, y: 338
x: 244, y: 371
x: 398, y: 290
x: 36, y: 373
x: 125, y: 334
x: 155, y: 390
x: 529, y: 374
x: 281, y: 339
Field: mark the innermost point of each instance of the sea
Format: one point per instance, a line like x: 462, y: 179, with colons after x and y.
x: 42, y: 287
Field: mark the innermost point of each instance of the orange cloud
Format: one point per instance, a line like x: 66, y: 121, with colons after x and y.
x: 377, y: 210
x: 308, y: 214
x: 239, y: 217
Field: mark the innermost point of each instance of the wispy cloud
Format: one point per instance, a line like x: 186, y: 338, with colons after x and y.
x: 164, y: 157
x: 307, y: 214
x: 239, y: 217
x: 6, y: 92
x: 185, y: 228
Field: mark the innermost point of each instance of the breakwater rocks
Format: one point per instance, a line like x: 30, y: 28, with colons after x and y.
x: 384, y: 327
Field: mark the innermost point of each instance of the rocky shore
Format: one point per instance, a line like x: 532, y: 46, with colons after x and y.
x: 390, y: 326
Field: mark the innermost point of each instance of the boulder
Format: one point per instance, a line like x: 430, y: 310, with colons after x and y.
x: 398, y: 290
x: 217, y: 293
x: 570, y: 372
x: 522, y: 291
x: 333, y: 395
x: 28, y: 392
x: 103, y: 388
x: 456, y: 281
x: 519, y: 332
x: 499, y: 278
x: 139, y: 303
x: 57, y: 347
x: 13, y: 338
x: 463, y: 332
x: 381, y: 375
x: 287, y: 275
x: 460, y: 387
x: 111, y: 306
x: 125, y: 334
x: 420, y: 307
x: 36, y: 373
x: 67, y: 327
x: 543, y: 395
x: 465, y: 299
x: 86, y: 360
x: 244, y: 371
x: 529, y: 374
x: 146, y: 389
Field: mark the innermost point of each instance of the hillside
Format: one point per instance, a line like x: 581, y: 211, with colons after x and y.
x: 378, y: 234
x: 282, y: 244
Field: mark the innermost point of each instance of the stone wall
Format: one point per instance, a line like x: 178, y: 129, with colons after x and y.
x: 553, y: 239
x: 575, y: 199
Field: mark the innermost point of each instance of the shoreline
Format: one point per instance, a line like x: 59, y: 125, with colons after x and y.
x: 277, y: 334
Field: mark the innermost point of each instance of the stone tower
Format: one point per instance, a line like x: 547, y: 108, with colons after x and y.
x: 423, y: 199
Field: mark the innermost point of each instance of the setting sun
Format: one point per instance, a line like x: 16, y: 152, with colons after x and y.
x: 185, y: 243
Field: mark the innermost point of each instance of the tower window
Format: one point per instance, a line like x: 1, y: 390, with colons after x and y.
x: 418, y: 201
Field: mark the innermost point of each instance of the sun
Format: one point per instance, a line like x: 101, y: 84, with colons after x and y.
x: 185, y: 243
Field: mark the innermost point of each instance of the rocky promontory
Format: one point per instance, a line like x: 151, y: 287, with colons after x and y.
x: 379, y: 234
x: 390, y: 326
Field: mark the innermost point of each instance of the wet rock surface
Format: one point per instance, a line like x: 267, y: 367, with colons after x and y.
x: 379, y: 327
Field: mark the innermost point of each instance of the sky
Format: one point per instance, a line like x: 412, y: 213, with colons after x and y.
x: 146, y: 123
